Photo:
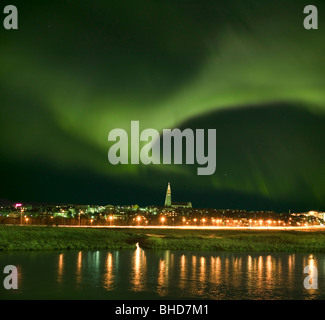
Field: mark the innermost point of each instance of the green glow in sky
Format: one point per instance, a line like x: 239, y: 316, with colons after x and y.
x: 83, y: 70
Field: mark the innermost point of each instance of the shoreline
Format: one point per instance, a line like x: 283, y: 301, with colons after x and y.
x: 232, y: 239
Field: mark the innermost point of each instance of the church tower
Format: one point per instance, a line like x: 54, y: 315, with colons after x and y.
x: 168, y: 199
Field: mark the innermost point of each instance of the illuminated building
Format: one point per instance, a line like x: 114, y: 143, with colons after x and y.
x: 176, y: 205
x: 168, y: 199
x: 182, y: 205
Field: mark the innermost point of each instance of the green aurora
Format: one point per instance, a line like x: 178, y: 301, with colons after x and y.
x: 73, y: 71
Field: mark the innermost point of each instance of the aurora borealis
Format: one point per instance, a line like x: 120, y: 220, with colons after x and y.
x: 73, y: 71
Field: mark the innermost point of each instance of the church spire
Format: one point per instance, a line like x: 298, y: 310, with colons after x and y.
x: 168, y: 199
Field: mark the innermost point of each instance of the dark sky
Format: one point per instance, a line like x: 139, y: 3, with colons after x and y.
x: 74, y: 70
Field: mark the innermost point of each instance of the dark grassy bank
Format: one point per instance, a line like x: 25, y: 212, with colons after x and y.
x: 52, y: 238
x: 239, y: 240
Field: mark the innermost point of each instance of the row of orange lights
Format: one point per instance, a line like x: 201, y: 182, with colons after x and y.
x: 163, y: 219
x: 203, y: 220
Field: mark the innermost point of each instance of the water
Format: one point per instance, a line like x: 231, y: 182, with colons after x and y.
x: 167, y: 274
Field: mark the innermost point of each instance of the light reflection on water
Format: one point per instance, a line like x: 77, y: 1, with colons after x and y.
x: 108, y: 281
x: 60, y: 267
x: 148, y: 274
x: 138, y: 270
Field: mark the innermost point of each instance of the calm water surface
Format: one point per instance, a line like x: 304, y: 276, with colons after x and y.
x: 168, y: 274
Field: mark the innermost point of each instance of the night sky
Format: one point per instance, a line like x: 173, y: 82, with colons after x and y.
x: 74, y: 70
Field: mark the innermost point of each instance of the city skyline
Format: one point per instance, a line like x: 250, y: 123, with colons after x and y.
x: 168, y: 204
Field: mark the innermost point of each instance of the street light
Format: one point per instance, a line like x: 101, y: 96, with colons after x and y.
x: 21, y: 216
x: 162, y: 220
x: 80, y: 218
x: 138, y: 219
